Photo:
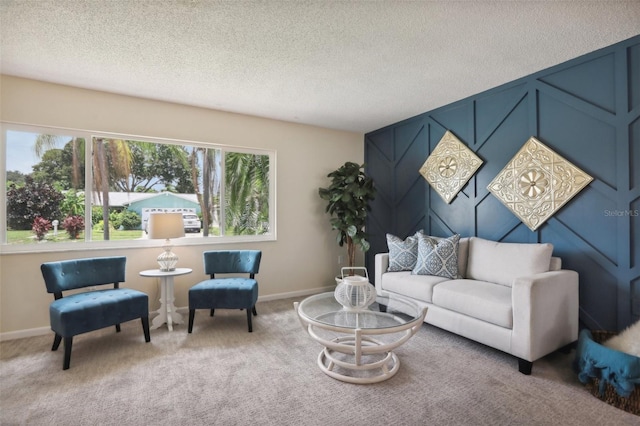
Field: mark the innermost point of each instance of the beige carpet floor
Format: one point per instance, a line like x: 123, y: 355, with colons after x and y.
x: 223, y: 375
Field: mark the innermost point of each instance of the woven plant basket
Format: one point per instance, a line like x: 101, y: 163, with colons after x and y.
x: 610, y: 396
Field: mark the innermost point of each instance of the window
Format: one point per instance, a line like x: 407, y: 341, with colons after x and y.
x: 61, y: 189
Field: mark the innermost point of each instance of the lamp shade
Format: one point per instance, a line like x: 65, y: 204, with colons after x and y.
x: 166, y: 225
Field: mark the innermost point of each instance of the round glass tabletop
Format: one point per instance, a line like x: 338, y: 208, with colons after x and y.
x: 324, y: 308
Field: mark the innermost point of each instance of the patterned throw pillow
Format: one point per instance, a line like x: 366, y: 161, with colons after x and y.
x: 437, y: 256
x: 402, y: 254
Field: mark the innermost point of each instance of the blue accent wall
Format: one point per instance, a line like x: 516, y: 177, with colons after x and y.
x: 588, y: 111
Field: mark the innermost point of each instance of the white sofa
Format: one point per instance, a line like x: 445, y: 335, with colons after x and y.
x: 510, y: 296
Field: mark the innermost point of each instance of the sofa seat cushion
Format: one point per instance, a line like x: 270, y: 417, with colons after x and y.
x: 482, y: 300
x: 502, y: 263
x: 418, y: 287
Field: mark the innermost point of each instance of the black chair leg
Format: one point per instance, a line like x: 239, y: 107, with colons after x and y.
x: 56, y: 342
x: 68, y: 341
x: 255, y: 313
x: 145, y: 328
x: 192, y: 314
x: 525, y: 366
x: 211, y: 313
x: 249, y: 320
x: 117, y: 328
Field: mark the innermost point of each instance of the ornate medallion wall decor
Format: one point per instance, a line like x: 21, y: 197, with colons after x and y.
x: 450, y: 166
x: 537, y: 182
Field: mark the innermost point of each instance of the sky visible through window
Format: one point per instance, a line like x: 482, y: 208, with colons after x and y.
x: 21, y: 154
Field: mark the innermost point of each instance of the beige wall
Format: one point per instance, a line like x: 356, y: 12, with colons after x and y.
x: 302, y: 260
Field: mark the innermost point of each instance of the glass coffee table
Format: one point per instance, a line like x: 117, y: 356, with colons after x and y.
x: 358, y: 344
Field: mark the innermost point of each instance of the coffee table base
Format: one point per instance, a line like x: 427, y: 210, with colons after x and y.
x: 359, y: 343
x: 380, y: 370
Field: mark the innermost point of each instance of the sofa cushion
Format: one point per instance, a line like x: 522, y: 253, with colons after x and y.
x: 402, y: 253
x: 418, y: 287
x: 463, y: 254
x: 478, y: 299
x: 437, y: 257
x: 503, y: 262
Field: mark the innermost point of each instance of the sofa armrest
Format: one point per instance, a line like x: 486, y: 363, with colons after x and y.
x: 545, y: 313
x: 382, y: 264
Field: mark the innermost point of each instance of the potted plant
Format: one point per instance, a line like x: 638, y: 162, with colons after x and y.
x: 348, y: 198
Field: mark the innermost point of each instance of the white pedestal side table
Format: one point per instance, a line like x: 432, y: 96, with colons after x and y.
x: 167, y: 312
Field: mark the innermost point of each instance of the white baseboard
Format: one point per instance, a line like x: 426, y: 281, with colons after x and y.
x: 42, y: 331
x: 299, y: 293
x: 21, y: 334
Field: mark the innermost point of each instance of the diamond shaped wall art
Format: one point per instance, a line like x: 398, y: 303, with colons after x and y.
x: 450, y: 166
x: 537, y: 182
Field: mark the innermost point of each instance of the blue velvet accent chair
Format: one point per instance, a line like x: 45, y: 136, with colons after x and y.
x: 94, y: 309
x: 236, y: 292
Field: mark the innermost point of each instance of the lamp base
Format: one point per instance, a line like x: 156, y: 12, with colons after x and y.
x: 167, y: 259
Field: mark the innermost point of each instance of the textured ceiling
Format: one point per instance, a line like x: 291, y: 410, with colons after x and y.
x: 351, y: 65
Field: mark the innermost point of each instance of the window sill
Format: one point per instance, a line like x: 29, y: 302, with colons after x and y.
x: 8, y: 249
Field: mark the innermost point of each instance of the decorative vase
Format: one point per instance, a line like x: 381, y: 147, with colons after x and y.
x: 355, y: 292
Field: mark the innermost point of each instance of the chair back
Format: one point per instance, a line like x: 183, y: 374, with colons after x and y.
x: 78, y: 273
x: 232, y: 261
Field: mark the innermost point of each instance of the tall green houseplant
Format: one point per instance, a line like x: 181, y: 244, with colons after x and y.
x: 348, y: 199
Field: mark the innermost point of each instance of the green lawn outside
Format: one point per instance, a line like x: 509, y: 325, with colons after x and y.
x: 28, y: 237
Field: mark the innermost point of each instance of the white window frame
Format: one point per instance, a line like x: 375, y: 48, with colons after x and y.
x: 88, y: 243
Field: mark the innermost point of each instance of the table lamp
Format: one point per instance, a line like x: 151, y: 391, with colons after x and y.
x: 166, y: 226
